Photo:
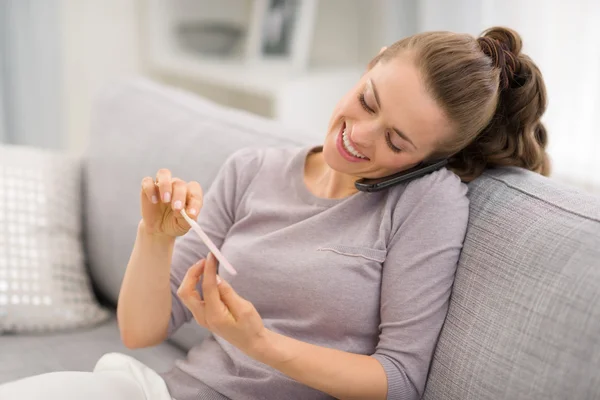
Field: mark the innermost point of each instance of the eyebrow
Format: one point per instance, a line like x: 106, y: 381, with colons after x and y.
x: 398, y: 131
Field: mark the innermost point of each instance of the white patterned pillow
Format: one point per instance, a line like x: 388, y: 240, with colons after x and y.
x: 44, y: 285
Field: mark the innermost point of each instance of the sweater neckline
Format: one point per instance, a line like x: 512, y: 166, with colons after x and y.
x: 298, y: 167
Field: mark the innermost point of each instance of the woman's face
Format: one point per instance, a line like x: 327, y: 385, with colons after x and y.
x: 387, y: 123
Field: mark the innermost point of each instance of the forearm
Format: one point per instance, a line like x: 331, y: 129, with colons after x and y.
x: 341, y: 374
x: 144, y: 305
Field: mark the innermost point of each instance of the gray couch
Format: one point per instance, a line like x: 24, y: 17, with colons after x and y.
x: 524, y: 319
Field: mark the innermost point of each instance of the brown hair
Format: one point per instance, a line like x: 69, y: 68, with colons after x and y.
x: 493, y: 94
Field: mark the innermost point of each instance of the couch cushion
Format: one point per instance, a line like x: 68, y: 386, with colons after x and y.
x: 137, y: 128
x: 44, y: 285
x: 26, y: 355
x: 524, y: 318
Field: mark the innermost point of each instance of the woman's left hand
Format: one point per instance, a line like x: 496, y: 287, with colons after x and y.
x: 222, y: 311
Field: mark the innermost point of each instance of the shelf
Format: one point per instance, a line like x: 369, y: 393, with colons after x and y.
x: 233, y: 74
x: 261, y: 80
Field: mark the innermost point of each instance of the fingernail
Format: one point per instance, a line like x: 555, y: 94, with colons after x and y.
x: 154, y: 199
x: 167, y: 197
x: 219, y: 280
x: 178, y: 205
x: 192, y: 211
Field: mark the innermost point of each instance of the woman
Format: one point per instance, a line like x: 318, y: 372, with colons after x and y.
x: 339, y: 293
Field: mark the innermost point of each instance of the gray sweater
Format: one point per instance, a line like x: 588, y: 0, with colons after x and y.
x: 368, y: 274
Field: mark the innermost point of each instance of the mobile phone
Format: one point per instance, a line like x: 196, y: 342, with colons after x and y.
x: 377, y: 184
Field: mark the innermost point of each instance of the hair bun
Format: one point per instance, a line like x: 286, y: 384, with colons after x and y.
x: 510, y: 39
x: 503, y: 46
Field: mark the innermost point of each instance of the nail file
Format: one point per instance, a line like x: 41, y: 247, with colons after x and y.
x: 211, y: 246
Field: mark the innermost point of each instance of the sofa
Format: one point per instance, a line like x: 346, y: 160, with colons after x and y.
x: 524, y: 316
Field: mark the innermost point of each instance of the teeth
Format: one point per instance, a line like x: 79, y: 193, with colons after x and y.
x: 348, y: 146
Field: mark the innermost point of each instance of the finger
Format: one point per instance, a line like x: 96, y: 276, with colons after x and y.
x: 236, y: 304
x: 163, y: 179
x: 192, y: 276
x: 179, y: 194
x: 197, y: 308
x: 194, y: 199
x: 149, y: 189
x: 187, y: 291
x: 214, y: 305
x: 194, y: 303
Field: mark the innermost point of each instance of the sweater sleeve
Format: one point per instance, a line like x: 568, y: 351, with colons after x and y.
x: 216, y: 217
x: 417, y: 279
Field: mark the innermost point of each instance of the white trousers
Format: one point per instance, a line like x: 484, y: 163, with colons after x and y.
x: 115, y: 377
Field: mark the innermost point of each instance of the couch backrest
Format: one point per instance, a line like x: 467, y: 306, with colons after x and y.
x: 137, y: 128
x: 524, y: 318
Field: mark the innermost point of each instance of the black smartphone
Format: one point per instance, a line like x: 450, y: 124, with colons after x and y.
x: 377, y: 184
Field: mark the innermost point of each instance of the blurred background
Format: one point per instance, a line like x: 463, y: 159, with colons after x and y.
x: 288, y: 60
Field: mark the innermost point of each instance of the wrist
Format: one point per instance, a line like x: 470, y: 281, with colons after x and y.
x: 158, y: 238
x: 267, y: 350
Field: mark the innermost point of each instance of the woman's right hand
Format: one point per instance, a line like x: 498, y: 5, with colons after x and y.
x: 163, y: 199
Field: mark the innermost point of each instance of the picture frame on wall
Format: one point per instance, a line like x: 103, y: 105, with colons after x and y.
x: 280, y: 34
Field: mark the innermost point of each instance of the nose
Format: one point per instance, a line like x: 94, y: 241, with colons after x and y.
x: 365, y: 132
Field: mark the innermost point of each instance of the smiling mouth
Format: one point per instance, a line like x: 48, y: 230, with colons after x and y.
x: 348, y: 147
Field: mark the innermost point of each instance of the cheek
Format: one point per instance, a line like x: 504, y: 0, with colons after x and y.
x: 391, y: 163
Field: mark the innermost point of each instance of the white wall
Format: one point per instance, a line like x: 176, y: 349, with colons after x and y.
x: 101, y: 43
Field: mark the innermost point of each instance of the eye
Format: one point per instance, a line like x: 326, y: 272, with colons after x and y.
x: 363, y: 103
x: 390, y: 144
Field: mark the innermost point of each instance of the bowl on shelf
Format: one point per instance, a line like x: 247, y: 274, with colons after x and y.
x: 209, y: 37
